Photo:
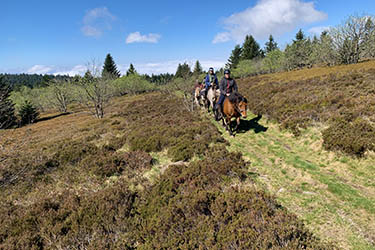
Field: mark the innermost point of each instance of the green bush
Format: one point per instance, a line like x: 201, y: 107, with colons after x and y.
x: 132, y: 84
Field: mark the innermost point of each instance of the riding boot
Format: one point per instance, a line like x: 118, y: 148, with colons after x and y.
x: 219, y: 111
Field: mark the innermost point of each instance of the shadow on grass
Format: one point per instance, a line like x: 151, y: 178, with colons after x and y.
x: 252, y: 124
x: 51, y: 117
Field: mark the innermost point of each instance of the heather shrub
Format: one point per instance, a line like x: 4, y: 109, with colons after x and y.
x: 351, y: 137
x: 70, y: 221
x: 295, y: 105
x: 190, y: 208
x: 82, y: 194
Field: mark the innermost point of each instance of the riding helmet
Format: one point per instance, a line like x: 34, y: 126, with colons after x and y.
x: 227, y: 71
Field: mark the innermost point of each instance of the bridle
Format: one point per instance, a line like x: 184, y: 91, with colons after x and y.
x: 239, y: 110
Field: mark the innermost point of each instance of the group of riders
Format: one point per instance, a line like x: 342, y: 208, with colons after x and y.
x: 227, y: 86
x: 223, y: 97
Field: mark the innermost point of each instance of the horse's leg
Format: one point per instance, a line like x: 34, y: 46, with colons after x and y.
x: 229, y: 127
x: 238, y: 123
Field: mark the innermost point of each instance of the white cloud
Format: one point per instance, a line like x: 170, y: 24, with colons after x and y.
x: 39, y: 69
x: 96, y: 21
x: 142, y: 68
x: 267, y: 17
x: 170, y: 66
x: 53, y: 70
x: 136, y: 37
x: 76, y: 70
x: 318, y: 30
x: 222, y: 37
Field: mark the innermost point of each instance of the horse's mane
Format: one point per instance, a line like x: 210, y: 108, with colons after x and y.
x: 237, y: 98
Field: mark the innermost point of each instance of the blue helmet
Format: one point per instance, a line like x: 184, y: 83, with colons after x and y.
x: 227, y: 71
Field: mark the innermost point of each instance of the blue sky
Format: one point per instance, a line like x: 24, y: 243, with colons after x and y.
x: 62, y: 36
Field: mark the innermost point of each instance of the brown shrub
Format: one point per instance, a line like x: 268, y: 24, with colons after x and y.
x: 296, y: 104
x: 353, y: 138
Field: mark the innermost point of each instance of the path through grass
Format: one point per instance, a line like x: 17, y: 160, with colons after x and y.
x: 334, y: 194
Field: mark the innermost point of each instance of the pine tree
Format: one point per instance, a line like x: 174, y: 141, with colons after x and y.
x: 250, y: 49
x: 271, y: 45
x: 7, y: 117
x: 183, y: 71
x: 235, y: 57
x: 197, y: 68
x: 28, y: 113
x: 110, y: 67
x: 300, y: 36
x: 131, y: 70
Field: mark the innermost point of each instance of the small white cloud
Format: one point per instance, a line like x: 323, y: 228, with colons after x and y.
x: 53, y: 70
x: 136, y: 37
x: 222, y: 37
x: 170, y: 66
x: 76, y: 70
x: 318, y: 30
x: 39, y: 69
x: 96, y: 21
x: 267, y: 17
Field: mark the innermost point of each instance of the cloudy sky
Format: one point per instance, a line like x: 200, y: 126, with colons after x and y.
x: 61, y: 37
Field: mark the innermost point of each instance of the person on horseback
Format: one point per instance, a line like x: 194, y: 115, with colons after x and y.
x: 227, y: 86
x: 209, y: 80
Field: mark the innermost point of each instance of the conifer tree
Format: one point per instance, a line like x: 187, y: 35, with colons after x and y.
x: 235, y: 57
x: 28, y: 113
x: 7, y: 117
x: 271, y: 45
x: 131, y: 70
x: 183, y: 71
x: 300, y: 35
x: 110, y: 67
x: 250, y: 49
x: 197, y: 68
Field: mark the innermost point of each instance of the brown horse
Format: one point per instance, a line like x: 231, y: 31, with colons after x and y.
x: 234, y: 106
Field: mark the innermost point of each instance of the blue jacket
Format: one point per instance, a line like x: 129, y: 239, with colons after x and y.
x: 213, y: 79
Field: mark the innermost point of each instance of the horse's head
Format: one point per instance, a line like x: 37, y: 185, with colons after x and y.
x: 242, y: 107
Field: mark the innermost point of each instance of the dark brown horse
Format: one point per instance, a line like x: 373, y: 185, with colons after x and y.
x: 234, y: 106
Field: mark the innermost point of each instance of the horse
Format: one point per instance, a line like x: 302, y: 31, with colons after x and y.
x: 197, y: 94
x: 234, y: 106
x: 212, y: 95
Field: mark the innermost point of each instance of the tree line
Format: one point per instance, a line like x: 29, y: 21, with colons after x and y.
x: 23, y: 96
x: 347, y: 43
x: 16, y: 81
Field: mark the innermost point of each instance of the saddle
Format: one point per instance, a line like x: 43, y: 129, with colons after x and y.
x: 236, y: 97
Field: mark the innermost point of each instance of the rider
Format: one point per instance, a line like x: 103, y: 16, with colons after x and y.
x: 209, y: 80
x: 227, y: 86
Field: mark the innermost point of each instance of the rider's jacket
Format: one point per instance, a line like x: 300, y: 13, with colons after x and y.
x: 209, y: 79
x: 228, y: 86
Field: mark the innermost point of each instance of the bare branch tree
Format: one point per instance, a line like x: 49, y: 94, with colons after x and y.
x: 95, y: 90
x: 349, y: 38
x: 61, y: 94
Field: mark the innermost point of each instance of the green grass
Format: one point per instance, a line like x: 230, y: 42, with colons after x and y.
x: 334, y: 194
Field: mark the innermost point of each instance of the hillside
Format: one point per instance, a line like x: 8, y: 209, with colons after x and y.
x: 149, y: 176
x: 332, y: 191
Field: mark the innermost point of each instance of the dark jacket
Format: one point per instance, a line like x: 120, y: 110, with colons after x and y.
x: 228, y: 86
